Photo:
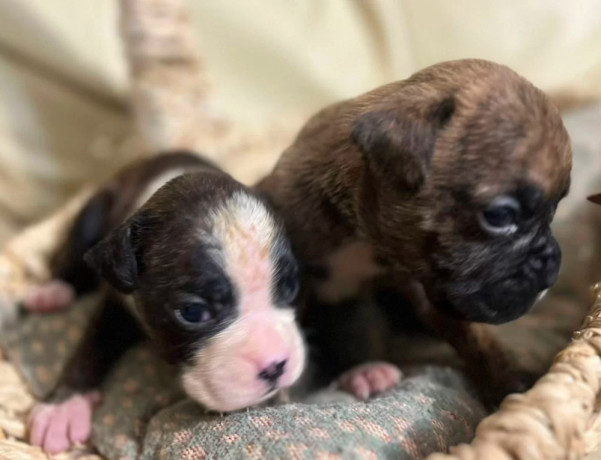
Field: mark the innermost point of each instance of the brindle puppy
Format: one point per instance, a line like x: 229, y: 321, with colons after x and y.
x: 445, y: 185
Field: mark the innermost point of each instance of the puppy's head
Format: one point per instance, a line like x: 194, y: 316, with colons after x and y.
x: 213, y: 280
x: 464, y: 165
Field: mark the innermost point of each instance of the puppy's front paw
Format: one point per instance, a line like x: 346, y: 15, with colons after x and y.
x: 369, y: 379
x: 56, y: 427
x: 51, y: 296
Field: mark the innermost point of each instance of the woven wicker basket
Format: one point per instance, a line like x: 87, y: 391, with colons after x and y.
x: 558, y: 418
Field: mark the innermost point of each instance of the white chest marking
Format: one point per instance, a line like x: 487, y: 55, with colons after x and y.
x: 348, y: 268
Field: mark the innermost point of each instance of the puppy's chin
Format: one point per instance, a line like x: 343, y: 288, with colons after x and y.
x: 235, y: 386
x: 229, y: 397
x: 497, y: 304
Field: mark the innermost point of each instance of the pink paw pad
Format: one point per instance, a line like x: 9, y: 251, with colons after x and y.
x: 52, y: 296
x: 369, y: 379
x: 56, y: 427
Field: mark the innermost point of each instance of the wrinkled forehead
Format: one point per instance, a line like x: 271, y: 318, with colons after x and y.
x: 548, y: 164
x: 498, y: 147
x: 538, y: 161
x: 532, y: 181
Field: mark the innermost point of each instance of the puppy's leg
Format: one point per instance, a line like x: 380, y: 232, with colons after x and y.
x: 66, y: 417
x: 493, y: 366
x: 490, y: 365
x: 70, y: 274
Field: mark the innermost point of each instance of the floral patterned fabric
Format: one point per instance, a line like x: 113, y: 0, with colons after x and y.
x: 145, y: 415
x: 40, y: 345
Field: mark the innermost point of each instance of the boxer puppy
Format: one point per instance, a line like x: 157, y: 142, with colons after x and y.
x: 208, y: 274
x: 445, y: 185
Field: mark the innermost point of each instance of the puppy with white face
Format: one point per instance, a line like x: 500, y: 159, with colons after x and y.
x: 207, y: 272
x: 213, y: 286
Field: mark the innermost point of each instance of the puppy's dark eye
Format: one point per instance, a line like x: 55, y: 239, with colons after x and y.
x: 288, y: 287
x: 500, y: 217
x: 194, y: 313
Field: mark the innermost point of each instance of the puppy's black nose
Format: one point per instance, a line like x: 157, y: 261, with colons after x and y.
x: 545, y: 263
x: 273, y: 372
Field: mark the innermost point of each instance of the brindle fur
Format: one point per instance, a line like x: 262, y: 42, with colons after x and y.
x: 405, y: 168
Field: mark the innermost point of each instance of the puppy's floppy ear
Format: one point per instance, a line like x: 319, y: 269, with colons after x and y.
x: 398, y: 144
x: 114, y: 258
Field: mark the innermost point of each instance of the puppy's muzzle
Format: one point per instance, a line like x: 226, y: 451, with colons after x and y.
x: 544, y: 262
x: 503, y: 292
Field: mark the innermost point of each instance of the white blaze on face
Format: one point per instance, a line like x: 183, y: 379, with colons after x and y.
x: 247, y: 232
x: 225, y: 373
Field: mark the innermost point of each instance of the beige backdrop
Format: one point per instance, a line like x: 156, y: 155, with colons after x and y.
x: 64, y: 86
